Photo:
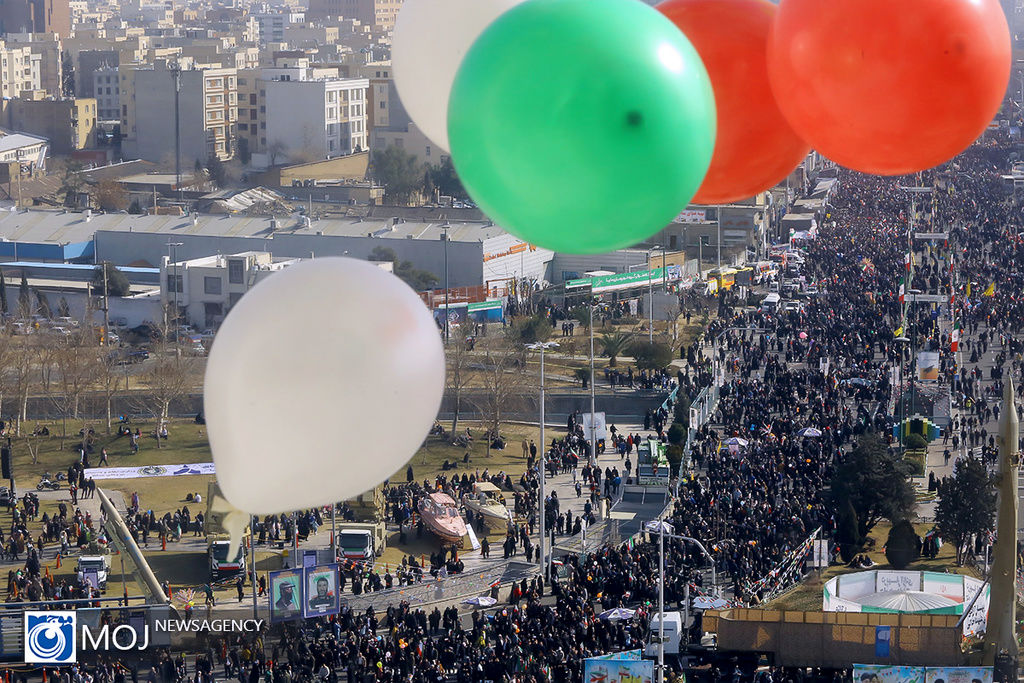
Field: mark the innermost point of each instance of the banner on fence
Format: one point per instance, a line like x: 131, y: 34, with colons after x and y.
x: 149, y: 471
x: 880, y: 673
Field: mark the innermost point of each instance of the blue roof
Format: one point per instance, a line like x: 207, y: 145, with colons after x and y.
x: 75, y: 266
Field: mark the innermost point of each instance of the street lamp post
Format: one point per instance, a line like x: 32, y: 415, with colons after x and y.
x: 446, y: 311
x: 172, y: 258
x: 660, y: 525
x: 542, y: 547
x: 593, y: 392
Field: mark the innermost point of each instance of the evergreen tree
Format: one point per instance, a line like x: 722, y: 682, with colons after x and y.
x: 875, y: 480
x: 967, y: 505
x: 44, y: 304
x: 3, y: 293
x: 24, y: 298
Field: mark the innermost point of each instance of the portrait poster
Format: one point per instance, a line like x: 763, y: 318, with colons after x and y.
x: 286, y: 598
x: 322, y: 597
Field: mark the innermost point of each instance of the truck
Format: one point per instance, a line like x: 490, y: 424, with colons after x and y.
x: 673, y: 634
x: 221, y: 566
x: 100, y: 564
x: 362, y: 541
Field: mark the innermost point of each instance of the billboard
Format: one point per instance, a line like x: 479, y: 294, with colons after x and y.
x: 599, y: 426
x: 880, y: 673
x: 598, y: 670
x: 928, y: 366
x: 286, y: 595
x: 322, y: 596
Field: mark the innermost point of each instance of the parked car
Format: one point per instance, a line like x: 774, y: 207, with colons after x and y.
x: 6, y: 496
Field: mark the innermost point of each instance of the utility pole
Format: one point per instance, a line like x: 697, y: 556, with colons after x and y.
x: 593, y: 392
x: 252, y: 561
x: 106, y: 308
x: 542, y: 548
x: 446, y: 311
x: 1001, y: 648
x: 176, y: 73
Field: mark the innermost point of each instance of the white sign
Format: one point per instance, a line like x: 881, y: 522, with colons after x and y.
x: 691, y: 216
x: 821, y: 556
x: 927, y: 298
x: 931, y: 235
x: 599, y: 424
x: 151, y: 471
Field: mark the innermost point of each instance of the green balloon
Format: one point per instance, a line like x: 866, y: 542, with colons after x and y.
x: 582, y: 126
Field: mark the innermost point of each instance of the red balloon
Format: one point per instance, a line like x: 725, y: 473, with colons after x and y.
x: 755, y: 147
x: 889, y: 86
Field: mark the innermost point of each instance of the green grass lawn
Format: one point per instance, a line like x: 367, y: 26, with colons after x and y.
x: 807, y: 597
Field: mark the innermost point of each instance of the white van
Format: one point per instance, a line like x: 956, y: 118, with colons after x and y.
x: 770, y: 303
x: 673, y: 634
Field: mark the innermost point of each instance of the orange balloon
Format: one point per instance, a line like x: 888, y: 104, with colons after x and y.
x: 889, y: 86
x: 755, y: 148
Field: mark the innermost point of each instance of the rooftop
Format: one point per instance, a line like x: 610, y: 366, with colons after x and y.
x: 17, y: 140
x: 63, y: 227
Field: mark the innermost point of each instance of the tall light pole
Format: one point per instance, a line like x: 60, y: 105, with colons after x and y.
x: 591, y: 303
x: 446, y: 311
x: 650, y: 290
x: 175, y: 69
x: 542, y: 548
x: 650, y: 299
x: 172, y: 261
x: 660, y: 525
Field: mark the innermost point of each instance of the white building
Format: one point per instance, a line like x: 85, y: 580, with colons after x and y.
x: 271, y: 27
x: 311, y: 119
x: 108, y: 93
x: 205, y: 289
x: 21, y: 70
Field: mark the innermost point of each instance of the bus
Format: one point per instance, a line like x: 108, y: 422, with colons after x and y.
x: 725, y: 277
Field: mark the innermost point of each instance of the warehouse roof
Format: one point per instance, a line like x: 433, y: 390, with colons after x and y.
x: 64, y: 227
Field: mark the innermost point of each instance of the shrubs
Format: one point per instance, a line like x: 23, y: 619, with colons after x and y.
x: 903, y: 545
x: 915, y: 442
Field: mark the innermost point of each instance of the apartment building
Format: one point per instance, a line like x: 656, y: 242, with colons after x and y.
x: 68, y: 123
x: 36, y: 16
x: 272, y: 26
x: 207, y: 112
x: 47, y: 47
x: 106, y: 86
x: 302, y: 118
x: 378, y: 13
x: 20, y: 70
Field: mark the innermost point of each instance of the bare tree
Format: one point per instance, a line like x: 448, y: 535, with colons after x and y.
x: 502, y: 381
x: 170, y: 374
x: 22, y: 377
x: 75, y: 370
x: 108, y: 376
x: 459, y: 371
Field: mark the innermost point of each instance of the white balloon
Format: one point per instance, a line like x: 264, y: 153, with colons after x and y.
x: 429, y: 41
x: 324, y: 380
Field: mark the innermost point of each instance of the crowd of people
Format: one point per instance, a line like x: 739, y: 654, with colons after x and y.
x: 798, y: 389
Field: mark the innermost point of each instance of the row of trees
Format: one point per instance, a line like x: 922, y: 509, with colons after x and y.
x: 872, y: 484
x: 403, y: 177
x: 496, y: 367
x: 66, y: 372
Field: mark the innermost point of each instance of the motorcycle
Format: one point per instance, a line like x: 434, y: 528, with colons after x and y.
x: 47, y: 485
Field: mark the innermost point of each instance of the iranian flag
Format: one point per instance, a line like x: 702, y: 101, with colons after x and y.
x: 955, y: 338
x: 903, y: 290
x: 906, y: 260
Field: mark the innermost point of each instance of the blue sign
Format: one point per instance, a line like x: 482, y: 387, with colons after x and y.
x: 883, y: 634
